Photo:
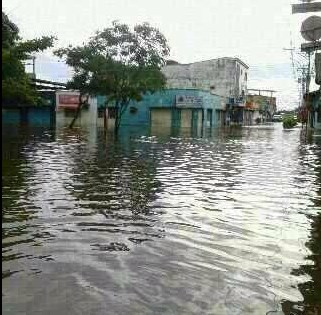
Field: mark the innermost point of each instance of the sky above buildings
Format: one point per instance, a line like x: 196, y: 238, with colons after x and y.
x: 256, y: 31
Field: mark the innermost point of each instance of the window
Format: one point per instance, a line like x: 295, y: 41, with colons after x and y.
x: 133, y: 110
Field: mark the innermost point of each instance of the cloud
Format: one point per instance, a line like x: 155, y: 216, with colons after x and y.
x: 51, y: 68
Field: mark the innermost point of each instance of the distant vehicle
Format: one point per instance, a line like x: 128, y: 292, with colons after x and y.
x: 277, y: 118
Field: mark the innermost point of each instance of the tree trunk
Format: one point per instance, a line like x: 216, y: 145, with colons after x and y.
x: 117, y: 118
x: 120, y: 109
x: 105, y: 118
x: 77, y: 112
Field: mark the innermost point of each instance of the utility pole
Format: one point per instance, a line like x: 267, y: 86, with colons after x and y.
x: 308, y: 78
x: 303, y: 80
x: 34, y: 66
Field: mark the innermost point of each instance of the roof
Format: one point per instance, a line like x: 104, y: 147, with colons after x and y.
x: 231, y: 58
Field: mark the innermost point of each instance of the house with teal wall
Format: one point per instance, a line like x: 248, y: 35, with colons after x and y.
x: 32, y: 115
x: 181, y: 108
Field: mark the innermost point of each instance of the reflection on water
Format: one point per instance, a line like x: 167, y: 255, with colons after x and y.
x: 217, y: 222
x: 310, y: 289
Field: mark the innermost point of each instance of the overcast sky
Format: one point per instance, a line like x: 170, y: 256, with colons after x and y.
x: 256, y: 31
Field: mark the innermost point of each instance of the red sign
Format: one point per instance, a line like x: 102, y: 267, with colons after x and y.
x: 68, y: 99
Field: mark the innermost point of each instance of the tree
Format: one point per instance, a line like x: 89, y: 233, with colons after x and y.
x: 120, y: 63
x: 16, y: 88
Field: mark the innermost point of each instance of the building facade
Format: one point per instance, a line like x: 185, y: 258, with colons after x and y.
x: 168, y: 109
x: 44, y: 115
x: 226, y: 77
x: 312, y: 102
x: 263, y: 106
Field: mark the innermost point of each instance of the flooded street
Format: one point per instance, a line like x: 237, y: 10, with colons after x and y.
x: 227, y: 223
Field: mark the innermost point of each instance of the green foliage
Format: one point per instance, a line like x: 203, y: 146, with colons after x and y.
x: 289, y: 122
x: 118, y: 62
x: 16, y: 89
x: 10, y: 32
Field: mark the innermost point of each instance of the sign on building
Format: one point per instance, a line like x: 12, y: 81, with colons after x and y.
x: 67, y: 100
x: 189, y: 101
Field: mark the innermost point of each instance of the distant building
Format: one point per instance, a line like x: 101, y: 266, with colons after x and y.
x: 264, y: 105
x: 225, y: 77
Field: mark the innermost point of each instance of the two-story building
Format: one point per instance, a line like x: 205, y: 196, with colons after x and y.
x: 261, y: 103
x: 226, y: 77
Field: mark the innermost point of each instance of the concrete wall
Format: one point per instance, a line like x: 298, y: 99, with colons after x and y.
x: 226, y: 77
x: 31, y: 115
x: 164, y: 99
x: 11, y: 116
x: 41, y: 116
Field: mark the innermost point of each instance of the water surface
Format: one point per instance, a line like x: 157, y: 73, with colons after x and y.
x: 223, y: 223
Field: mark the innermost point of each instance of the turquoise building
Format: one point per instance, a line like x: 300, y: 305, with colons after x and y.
x: 36, y: 115
x: 181, y: 108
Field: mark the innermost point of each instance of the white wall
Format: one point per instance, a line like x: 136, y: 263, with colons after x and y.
x: 224, y: 76
x: 87, y: 116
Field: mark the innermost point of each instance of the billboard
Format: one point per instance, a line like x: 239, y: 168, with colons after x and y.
x: 189, y: 101
x: 68, y: 100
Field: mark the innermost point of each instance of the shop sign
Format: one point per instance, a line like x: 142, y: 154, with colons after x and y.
x: 189, y: 101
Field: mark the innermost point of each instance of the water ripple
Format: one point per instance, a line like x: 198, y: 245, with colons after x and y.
x: 149, y: 224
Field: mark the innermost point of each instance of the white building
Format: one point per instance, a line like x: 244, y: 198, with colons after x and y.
x: 225, y: 77
x: 67, y: 102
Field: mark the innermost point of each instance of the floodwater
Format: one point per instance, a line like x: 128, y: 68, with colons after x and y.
x: 224, y: 223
